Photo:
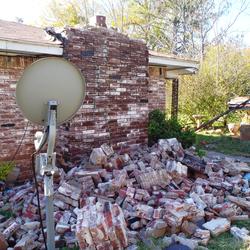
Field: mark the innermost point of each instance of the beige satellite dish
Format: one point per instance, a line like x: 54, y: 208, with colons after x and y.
x: 50, y: 92
x: 50, y: 79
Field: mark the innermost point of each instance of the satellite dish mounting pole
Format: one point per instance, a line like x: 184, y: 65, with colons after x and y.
x: 48, y: 175
x: 47, y: 168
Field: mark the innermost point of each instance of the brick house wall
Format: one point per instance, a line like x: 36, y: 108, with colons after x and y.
x: 157, y: 93
x: 157, y: 88
x: 115, y: 110
x: 116, y: 106
x: 12, y: 123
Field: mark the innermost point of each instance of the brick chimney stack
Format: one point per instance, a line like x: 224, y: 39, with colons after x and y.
x: 98, y: 21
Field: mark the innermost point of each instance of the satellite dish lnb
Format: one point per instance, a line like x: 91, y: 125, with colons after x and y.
x: 50, y: 79
x: 50, y: 92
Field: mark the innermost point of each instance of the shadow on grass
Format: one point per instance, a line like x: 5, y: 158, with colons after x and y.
x: 223, y: 143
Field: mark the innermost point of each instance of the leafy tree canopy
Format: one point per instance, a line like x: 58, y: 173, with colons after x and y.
x: 180, y: 27
x: 224, y: 74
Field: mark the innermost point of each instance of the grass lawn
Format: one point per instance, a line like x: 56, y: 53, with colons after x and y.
x: 226, y: 241
x: 223, y: 143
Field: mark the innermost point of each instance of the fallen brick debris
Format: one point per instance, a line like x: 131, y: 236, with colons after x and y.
x: 217, y: 226
x: 240, y: 233
x: 101, y: 226
x: 112, y: 200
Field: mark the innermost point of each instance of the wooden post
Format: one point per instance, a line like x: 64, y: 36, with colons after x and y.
x: 175, y: 96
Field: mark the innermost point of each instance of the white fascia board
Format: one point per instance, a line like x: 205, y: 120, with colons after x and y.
x: 29, y: 48
x: 164, y: 61
x: 183, y: 71
x: 171, y: 74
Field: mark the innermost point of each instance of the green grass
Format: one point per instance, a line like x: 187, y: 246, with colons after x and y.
x: 151, y: 244
x: 66, y: 248
x: 223, y: 143
x: 226, y: 241
x: 8, y: 214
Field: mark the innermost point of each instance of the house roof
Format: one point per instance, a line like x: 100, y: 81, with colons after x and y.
x: 26, y: 39
x: 13, y: 31
x: 172, y: 57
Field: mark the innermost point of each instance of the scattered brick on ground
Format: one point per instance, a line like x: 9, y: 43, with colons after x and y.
x: 114, y: 200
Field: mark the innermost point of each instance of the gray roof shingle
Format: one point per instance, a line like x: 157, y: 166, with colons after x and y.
x: 13, y: 31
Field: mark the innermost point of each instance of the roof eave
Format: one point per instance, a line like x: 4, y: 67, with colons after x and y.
x: 172, y: 74
x: 173, y: 62
x: 20, y: 47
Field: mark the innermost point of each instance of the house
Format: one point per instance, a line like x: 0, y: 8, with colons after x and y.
x: 124, y: 80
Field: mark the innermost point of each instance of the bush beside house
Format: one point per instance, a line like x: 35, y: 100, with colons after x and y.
x: 162, y: 128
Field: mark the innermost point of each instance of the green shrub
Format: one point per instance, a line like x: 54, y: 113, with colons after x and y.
x: 156, y: 128
x: 5, y: 169
x: 160, y: 128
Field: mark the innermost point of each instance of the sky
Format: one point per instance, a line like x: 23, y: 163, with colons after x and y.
x: 31, y: 11
x: 242, y: 24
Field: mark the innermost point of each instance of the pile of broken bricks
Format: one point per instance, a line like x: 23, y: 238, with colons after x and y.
x: 113, y: 200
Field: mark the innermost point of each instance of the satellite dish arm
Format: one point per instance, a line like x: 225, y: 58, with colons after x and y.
x: 47, y: 164
x: 51, y: 130
x: 40, y: 139
x: 49, y: 133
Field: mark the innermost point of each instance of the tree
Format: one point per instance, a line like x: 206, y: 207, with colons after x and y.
x: 208, y: 92
x: 144, y: 22
x: 176, y: 26
x: 117, y: 13
x: 69, y: 12
x: 181, y: 27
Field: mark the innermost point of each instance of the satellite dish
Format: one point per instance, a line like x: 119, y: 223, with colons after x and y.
x: 50, y: 92
x: 50, y: 79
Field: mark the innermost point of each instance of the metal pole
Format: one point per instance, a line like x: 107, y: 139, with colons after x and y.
x: 48, y: 177
x: 47, y: 168
x: 50, y: 225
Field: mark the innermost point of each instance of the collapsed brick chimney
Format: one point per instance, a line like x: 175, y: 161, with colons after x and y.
x: 98, y: 21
